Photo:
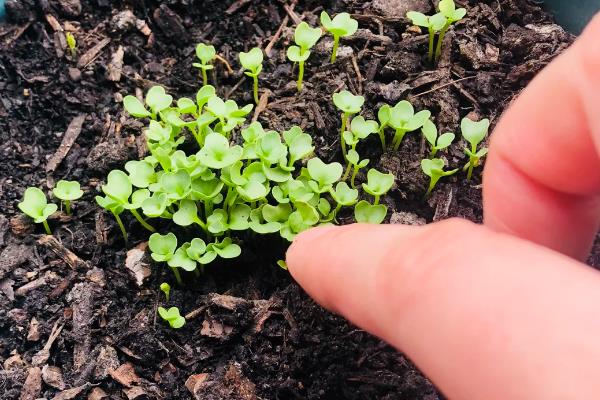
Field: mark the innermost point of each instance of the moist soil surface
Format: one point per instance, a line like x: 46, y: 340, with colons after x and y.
x: 78, y: 309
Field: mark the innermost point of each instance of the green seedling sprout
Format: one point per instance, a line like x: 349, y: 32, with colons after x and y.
x: 434, y: 24
x: 156, y: 99
x: 67, y: 191
x: 366, y: 213
x: 206, y: 54
x: 166, y: 289
x: 71, y: 44
x: 452, y: 15
x: 474, y: 133
x: 342, y: 25
x: 383, y: 115
x: 437, y: 143
x: 305, y: 38
x: 404, y: 119
x: 172, y: 316
x: 252, y: 62
x: 344, y: 196
x: 360, y: 129
x: 323, y: 175
x: 163, y: 248
x: 282, y: 264
x: 378, y: 184
x: 349, y: 104
x: 434, y: 169
x: 35, y: 205
x: 356, y: 164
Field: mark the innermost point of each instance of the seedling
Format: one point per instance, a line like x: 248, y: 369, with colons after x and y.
x: 383, y: 115
x: 349, y: 104
x: 71, y: 43
x: 452, y: 15
x: 166, y: 289
x: 344, y: 196
x: 157, y: 100
x: 252, y: 62
x: 206, y: 54
x: 323, y: 175
x: 474, y: 133
x: 282, y: 264
x: 434, y: 24
x: 437, y: 143
x: 369, y: 213
x: 434, y: 169
x: 67, y: 191
x: 172, y: 316
x: 403, y: 119
x: 305, y: 38
x: 342, y: 25
x: 35, y: 205
x: 378, y: 184
x: 354, y: 163
x: 360, y: 129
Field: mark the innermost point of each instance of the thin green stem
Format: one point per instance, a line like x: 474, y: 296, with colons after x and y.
x: 68, y: 207
x: 121, y: 226
x: 256, y: 98
x: 204, y: 77
x: 47, y: 227
x: 470, y: 170
x: 300, y: 75
x: 431, y: 39
x: 177, y: 276
x: 208, y: 209
x: 434, y: 151
x: 381, y: 133
x: 345, y: 117
x: 347, y: 172
x: 400, y: 133
x: 141, y: 221
x: 336, y: 44
x: 353, y: 179
x: 438, y: 50
x: 377, y: 198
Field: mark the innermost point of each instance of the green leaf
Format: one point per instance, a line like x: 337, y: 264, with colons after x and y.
x: 296, y: 54
x: 162, y: 247
x: 278, y: 213
x: 216, y: 152
x: 118, y: 187
x: 172, y: 316
x: 368, y: 213
x: 157, y: 133
x: 135, y: 107
x: 300, y: 146
x: 253, y: 191
x: 181, y: 259
x: 270, y: 149
x: 352, y: 157
x: 67, y: 190
x: 384, y: 115
x: 157, y: 99
x: 445, y: 140
x: 177, y: 185
x: 344, y: 195
x: 362, y: 128
x: 204, y: 94
x: 418, y: 120
x: 227, y: 249
x: 187, y: 214
x: 36, y: 206
x: 305, y: 36
x: 418, y: 18
x: 474, y: 131
x: 262, y: 228
x: 137, y: 199
x: 197, y: 249
x: 378, y: 183
x: 156, y: 205
x: 141, y: 173
x: 447, y: 7
x: 205, y: 53
x: 458, y: 14
x: 347, y: 102
x: 186, y: 106
x: 252, y: 60
x: 109, y: 204
x: 253, y: 133
x: 430, y: 132
x: 342, y: 24
x: 206, y: 189
x: 438, y: 22
x: 324, y: 174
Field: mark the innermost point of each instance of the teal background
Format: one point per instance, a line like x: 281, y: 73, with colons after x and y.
x: 573, y: 14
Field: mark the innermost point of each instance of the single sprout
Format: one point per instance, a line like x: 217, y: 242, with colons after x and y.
x: 282, y: 264
x: 344, y: 196
x: 474, y: 133
x: 252, y: 61
x: 206, y: 54
x: 383, y: 115
x: 434, y: 169
x: 71, y: 43
x: 403, y: 119
x: 166, y: 289
x: 323, y: 175
x: 349, y: 104
x: 437, y: 143
x: 67, y: 191
x: 434, y: 24
x: 378, y: 184
x: 356, y: 164
x: 452, y: 15
x: 369, y: 213
x: 156, y: 99
x: 35, y: 205
x: 342, y: 25
x: 163, y: 248
x: 360, y: 129
x: 305, y: 38
x: 172, y: 316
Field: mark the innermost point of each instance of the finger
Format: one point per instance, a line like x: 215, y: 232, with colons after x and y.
x: 483, y: 314
x: 542, y: 178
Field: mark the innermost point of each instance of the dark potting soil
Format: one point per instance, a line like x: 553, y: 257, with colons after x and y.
x: 78, y: 312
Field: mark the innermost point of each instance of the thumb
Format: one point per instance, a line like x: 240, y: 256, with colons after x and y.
x: 483, y: 314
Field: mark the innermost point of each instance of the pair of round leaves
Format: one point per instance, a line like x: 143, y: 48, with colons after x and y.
x: 35, y: 205
x: 67, y: 190
x: 347, y: 102
x: 252, y: 61
x: 205, y: 54
x: 156, y: 99
x: 172, y: 316
x: 441, y: 142
x: 434, y: 23
x: 474, y: 131
x: 449, y: 10
x: 360, y: 129
x: 341, y: 25
x: 378, y: 183
x: 323, y: 175
x: 403, y: 117
x: 305, y: 38
x: 367, y: 213
x: 434, y: 168
x: 217, y: 153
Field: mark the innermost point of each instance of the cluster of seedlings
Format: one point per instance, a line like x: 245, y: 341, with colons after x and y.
x: 210, y: 172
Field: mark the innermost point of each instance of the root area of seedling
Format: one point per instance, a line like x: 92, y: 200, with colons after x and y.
x: 78, y: 310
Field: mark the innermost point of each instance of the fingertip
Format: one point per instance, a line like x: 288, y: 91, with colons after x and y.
x: 305, y: 243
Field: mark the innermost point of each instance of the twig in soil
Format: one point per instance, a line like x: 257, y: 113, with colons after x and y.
x: 443, y: 86
x: 61, y: 251
x: 92, y: 53
x: 115, y: 67
x: 290, y: 11
x: 224, y: 61
x: 262, y: 106
x: 53, y: 22
x: 36, y: 284
x: 236, y: 6
x: 359, y: 77
x: 83, y: 295
x: 235, y: 87
x: 42, y: 356
x: 71, y: 135
x: 276, y: 36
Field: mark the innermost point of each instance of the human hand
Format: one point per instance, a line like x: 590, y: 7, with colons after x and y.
x: 504, y: 310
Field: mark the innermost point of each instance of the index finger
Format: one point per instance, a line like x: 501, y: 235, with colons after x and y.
x: 542, y: 178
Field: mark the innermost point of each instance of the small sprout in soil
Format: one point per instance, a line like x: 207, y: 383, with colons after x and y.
x: 349, y: 104
x: 383, y: 115
x: 369, y: 213
x: 67, y: 191
x: 305, y: 38
x: 206, y: 54
x: 35, y: 205
x: 71, y: 44
x: 434, y: 169
x: 378, y: 184
x: 437, y: 143
x: 452, y: 15
x: 360, y: 129
x: 252, y: 62
x: 434, y: 24
x: 403, y: 119
x: 344, y: 196
x: 166, y: 289
x: 172, y: 316
x: 474, y: 133
x: 356, y: 164
x: 282, y: 264
x: 342, y: 25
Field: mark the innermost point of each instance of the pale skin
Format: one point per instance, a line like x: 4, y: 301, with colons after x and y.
x: 506, y: 310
